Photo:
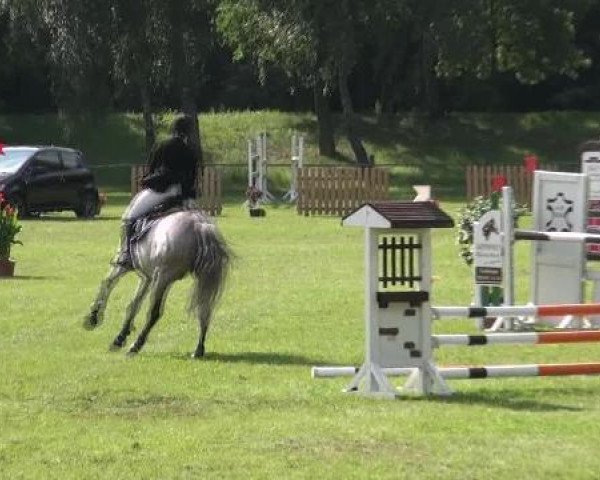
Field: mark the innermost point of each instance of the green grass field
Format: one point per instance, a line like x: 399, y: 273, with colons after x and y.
x: 70, y: 409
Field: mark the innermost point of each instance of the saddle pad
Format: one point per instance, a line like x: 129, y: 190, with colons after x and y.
x: 143, y: 225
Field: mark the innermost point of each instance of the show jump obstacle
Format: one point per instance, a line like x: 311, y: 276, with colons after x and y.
x: 398, y: 316
x: 297, y: 163
x: 258, y: 165
x: 558, y: 250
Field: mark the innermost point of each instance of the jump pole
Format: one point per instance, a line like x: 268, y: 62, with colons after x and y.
x: 578, y: 309
x: 526, y: 338
x: 490, y: 371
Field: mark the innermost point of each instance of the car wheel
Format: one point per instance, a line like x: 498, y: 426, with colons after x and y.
x: 88, y: 206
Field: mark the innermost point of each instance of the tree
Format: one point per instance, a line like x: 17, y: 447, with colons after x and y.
x: 144, y: 43
x: 24, y: 69
x: 189, y: 40
x: 316, y: 42
x: 79, y: 52
x: 529, y: 38
x: 137, y: 53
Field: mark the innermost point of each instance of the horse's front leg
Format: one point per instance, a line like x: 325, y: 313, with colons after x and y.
x: 159, y: 290
x: 132, y: 310
x: 95, y: 317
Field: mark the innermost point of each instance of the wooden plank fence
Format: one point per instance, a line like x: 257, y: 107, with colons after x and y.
x: 211, y: 198
x: 479, y: 180
x: 339, y: 190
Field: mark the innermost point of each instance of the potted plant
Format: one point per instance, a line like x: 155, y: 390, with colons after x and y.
x: 9, y: 229
x: 253, y: 196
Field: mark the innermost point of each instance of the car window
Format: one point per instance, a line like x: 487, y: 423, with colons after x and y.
x: 70, y: 159
x: 13, y: 158
x: 47, y: 161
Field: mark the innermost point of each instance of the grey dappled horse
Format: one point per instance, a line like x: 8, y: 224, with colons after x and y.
x: 179, y: 243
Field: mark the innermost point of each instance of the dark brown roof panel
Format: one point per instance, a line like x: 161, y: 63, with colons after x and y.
x: 413, y: 214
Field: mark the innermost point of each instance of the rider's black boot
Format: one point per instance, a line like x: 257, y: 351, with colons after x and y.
x: 124, y: 258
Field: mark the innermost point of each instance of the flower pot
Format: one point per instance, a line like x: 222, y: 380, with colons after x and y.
x: 257, y: 212
x: 7, y: 268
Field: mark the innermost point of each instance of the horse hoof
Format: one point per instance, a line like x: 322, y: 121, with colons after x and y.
x: 114, y: 347
x: 133, y: 350
x: 199, y: 353
x: 92, y: 320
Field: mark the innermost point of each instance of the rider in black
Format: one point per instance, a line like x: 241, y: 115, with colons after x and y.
x: 172, y: 178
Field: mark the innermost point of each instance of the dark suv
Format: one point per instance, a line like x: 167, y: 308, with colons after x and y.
x: 43, y: 179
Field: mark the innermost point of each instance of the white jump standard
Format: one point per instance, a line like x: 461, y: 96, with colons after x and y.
x: 397, y: 239
x: 297, y: 163
x: 257, y: 166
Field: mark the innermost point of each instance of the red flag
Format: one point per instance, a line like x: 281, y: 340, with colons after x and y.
x: 498, y: 182
x: 1, y: 148
x: 531, y: 163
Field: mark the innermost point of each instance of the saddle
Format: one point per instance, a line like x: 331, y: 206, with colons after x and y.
x: 143, y: 225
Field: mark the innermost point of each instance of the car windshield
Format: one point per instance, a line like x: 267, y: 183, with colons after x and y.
x: 11, y: 159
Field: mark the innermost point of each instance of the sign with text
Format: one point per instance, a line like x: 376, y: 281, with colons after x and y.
x: 487, y: 249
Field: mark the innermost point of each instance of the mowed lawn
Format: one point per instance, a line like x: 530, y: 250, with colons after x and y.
x: 69, y: 408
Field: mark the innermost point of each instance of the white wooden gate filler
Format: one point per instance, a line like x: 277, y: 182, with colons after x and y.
x: 558, y: 268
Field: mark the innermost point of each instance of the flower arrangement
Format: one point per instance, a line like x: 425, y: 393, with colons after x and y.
x: 253, y: 195
x: 473, y: 211
x: 9, y: 227
x: 468, y: 215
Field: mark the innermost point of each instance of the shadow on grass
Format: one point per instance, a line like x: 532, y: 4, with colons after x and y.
x: 31, y: 277
x: 60, y: 219
x: 514, y: 399
x: 266, y: 358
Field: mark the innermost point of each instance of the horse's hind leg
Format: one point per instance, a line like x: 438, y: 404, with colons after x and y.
x: 159, y: 290
x: 132, y: 310
x: 94, y: 318
x: 204, y: 320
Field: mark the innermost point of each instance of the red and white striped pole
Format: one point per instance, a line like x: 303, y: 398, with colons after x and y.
x: 531, y: 338
x: 491, y: 371
x: 576, y: 309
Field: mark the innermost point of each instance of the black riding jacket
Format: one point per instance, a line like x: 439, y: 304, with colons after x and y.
x: 173, y: 161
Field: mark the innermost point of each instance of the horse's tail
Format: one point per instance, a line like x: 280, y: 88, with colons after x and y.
x: 210, y: 269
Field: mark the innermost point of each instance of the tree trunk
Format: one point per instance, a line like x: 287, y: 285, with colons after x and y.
x: 150, y: 131
x: 182, y: 73
x: 360, y: 154
x: 189, y: 107
x: 324, y: 121
x: 392, y: 59
x: 430, y: 85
